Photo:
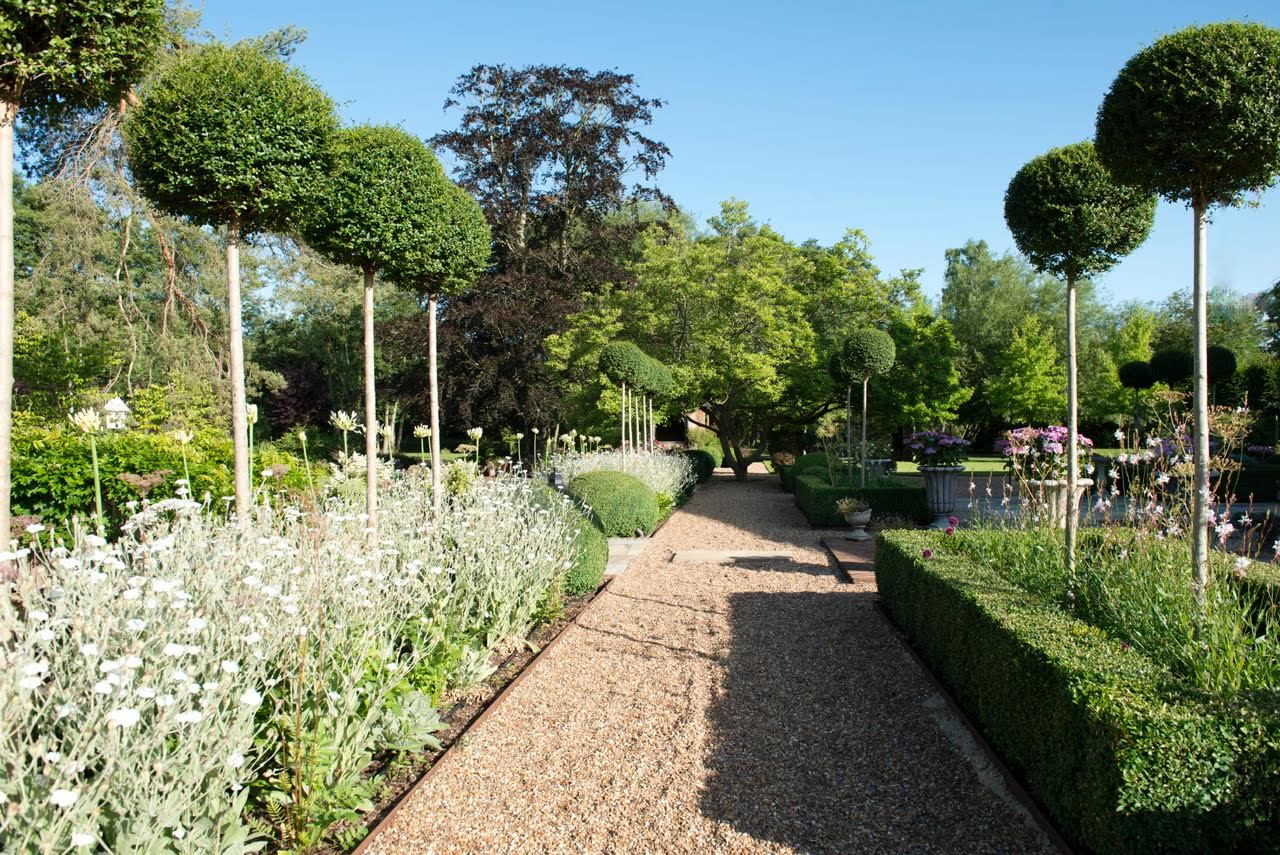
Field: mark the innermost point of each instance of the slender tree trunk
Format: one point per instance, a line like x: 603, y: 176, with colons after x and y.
x: 622, y: 427
x: 8, y: 115
x: 239, y: 417
x: 863, y: 450
x: 1135, y: 412
x: 848, y: 429
x: 370, y: 410
x: 432, y: 370
x: 1073, y: 472
x: 1200, y: 312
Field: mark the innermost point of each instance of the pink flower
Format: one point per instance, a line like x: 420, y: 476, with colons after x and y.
x: 928, y: 553
x: 955, y: 521
x: 951, y: 530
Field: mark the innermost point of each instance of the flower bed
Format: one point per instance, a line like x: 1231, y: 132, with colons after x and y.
x: 817, y: 498
x: 208, y: 687
x: 1126, y: 754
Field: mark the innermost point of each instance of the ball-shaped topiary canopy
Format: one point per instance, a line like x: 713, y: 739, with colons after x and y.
x: 1172, y: 366
x: 75, y: 52
x: 1195, y: 116
x: 1070, y: 218
x: 1222, y: 363
x: 367, y: 210
x: 228, y: 135
x: 865, y: 353
x: 1136, y: 375
x: 624, y: 362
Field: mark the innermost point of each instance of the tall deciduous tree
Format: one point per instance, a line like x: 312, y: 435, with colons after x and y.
x: 1072, y: 220
x: 1028, y: 384
x: 1195, y: 117
x: 560, y: 162
x: 52, y: 56
x: 229, y: 136
x: 363, y: 215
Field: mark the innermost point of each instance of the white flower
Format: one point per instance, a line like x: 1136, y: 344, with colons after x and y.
x: 164, y: 701
x: 30, y: 682
x: 250, y: 698
x: 136, y: 624
x: 63, y: 798
x: 172, y: 649
x: 179, y: 832
x: 235, y: 761
x: 64, y: 710
x: 39, y: 615
x: 146, y: 692
x: 190, y: 717
x: 52, y: 757
x: 35, y: 669
x: 133, y: 662
x: 132, y: 594
x: 230, y: 666
x: 123, y: 717
x: 81, y: 838
x: 253, y: 638
x: 196, y: 624
x: 35, y: 528
x: 44, y: 635
x: 88, y: 420
x: 95, y: 540
x: 102, y: 687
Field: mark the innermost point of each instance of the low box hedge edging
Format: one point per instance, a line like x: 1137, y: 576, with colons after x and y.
x: 1117, y: 750
x: 812, y: 463
x: 816, y: 499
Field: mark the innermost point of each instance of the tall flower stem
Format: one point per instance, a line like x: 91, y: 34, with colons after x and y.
x: 97, y: 485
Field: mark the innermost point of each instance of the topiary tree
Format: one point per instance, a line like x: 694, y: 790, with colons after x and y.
x: 865, y: 353
x: 1195, y: 118
x: 641, y: 378
x: 1136, y: 375
x: 1171, y: 367
x: 362, y: 215
x: 1071, y: 219
x: 229, y: 136
x: 1221, y: 363
x: 453, y: 248
x: 55, y: 56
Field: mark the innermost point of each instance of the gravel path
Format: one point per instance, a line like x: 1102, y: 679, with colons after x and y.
x: 705, y: 708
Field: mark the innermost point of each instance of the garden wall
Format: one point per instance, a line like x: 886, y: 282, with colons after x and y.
x: 1121, y: 755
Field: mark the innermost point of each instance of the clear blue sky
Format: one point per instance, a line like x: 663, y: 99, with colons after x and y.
x: 904, y: 119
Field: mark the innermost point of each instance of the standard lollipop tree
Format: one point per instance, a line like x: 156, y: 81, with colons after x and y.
x: 1072, y: 220
x: 233, y: 138
x: 1195, y: 117
x: 640, y: 379
x: 866, y: 353
x: 362, y: 215
x: 1136, y: 375
x: 53, y: 57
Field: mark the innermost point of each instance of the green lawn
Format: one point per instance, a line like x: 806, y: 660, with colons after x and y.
x: 979, y: 464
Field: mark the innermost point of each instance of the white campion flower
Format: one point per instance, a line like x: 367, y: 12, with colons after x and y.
x: 123, y: 717
x: 196, y: 624
x: 189, y: 717
x: 95, y: 540
x: 235, y: 761
x: 102, y: 687
x: 80, y: 839
x: 230, y: 666
x: 174, y: 650
x: 250, y: 698
x: 35, y: 528
x: 63, y: 798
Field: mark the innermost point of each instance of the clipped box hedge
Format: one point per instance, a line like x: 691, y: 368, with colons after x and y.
x: 816, y: 499
x: 812, y: 463
x: 1120, y: 753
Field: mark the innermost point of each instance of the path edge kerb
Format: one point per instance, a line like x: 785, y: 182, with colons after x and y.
x: 443, y: 759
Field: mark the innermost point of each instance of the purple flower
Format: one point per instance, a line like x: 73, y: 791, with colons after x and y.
x: 955, y: 521
x: 951, y: 530
x: 928, y: 553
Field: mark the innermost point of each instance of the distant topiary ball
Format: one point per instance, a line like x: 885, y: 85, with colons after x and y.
x: 1137, y: 375
x: 1172, y: 366
x: 1222, y: 364
x: 620, y: 504
x: 866, y: 353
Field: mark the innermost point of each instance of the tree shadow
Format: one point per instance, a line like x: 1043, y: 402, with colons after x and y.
x: 825, y: 739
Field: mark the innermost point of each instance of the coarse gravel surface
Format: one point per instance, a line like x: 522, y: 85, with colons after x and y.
x: 758, y: 707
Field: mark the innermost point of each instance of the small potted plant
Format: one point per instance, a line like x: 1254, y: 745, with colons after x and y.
x: 857, y: 513
x: 940, y: 457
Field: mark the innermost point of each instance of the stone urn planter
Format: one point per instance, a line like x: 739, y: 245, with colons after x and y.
x: 940, y: 492
x: 1047, y: 500
x: 859, y: 520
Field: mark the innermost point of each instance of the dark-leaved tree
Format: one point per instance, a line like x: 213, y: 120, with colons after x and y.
x: 558, y: 159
